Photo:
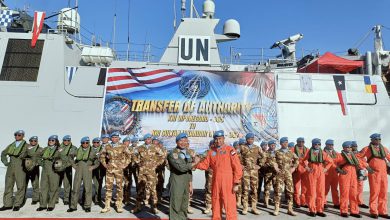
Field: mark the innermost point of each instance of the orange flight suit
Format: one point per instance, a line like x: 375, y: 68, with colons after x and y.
x: 360, y: 182
x: 300, y: 177
x: 316, y: 189
x: 377, y: 180
x: 227, y: 170
x: 332, y: 181
x: 348, y: 184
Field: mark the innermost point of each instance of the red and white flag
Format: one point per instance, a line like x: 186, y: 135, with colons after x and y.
x: 339, y: 82
x: 39, y: 17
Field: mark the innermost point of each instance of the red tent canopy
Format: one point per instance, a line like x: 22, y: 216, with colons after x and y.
x: 330, y: 63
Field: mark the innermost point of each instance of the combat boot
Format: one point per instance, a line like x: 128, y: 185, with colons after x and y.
x: 266, y: 201
x: 239, y: 204
x: 119, y: 207
x: 245, y: 208
x: 254, y: 209
x: 137, y: 207
x: 106, y: 207
x: 208, y: 209
x: 290, y: 210
x: 276, y: 211
x: 154, y: 209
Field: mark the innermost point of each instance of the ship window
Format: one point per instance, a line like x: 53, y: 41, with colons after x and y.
x: 102, y: 77
x: 21, y: 62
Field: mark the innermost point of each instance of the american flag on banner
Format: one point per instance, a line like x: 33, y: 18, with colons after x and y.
x: 122, y: 80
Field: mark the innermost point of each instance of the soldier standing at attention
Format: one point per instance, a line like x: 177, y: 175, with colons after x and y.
x: 376, y: 155
x: 114, y: 157
x: 300, y: 174
x: 287, y: 162
x: 180, y: 163
x: 148, y: 159
x: 134, y: 167
x: 332, y: 177
x: 50, y: 179
x: 270, y: 170
x: 16, y: 151
x: 31, y: 165
x: 127, y: 174
x: 160, y: 170
x: 98, y: 173
x: 264, y: 148
x: 86, y: 161
x: 68, y: 152
x: 253, y: 159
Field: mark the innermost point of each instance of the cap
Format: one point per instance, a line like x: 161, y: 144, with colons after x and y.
x: 301, y: 139
x: 249, y: 135
x: 263, y: 143
x: 181, y: 136
x: 271, y: 142
x: 375, y: 136
x: 219, y: 133
x: 146, y: 136
x: 55, y: 137
x: 105, y: 136
x: 96, y: 139
x: 354, y: 144
x: 67, y: 138
x: 283, y: 139
x: 19, y: 132
x: 347, y: 143
x: 127, y: 138
x: 235, y: 144
x: 114, y: 134
x: 34, y: 138
x: 291, y: 144
x: 84, y: 139
x: 316, y: 141
x: 241, y: 141
x: 329, y: 142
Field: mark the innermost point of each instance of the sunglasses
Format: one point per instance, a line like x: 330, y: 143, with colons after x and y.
x: 85, y: 142
x: 96, y: 142
x: 18, y: 135
x: 317, y: 145
x: 52, y: 140
x: 348, y: 147
x: 66, y: 140
x: 301, y: 142
x: 378, y: 139
x: 33, y: 141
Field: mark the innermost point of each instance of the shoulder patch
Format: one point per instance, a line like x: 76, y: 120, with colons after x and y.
x: 233, y: 152
x: 175, y: 156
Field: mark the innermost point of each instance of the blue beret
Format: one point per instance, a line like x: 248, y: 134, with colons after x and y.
x: 181, y: 136
x: 219, y: 133
x: 105, y: 136
x: 67, y: 138
x: 19, y: 132
x: 96, y: 139
x: 55, y: 137
x: 127, y: 138
x: 114, y: 134
x: 211, y: 142
x: 235, y: 144
x: 375, y: 136
x: 34, y: 138
x: 291, y: 144
x: 300, y: 139
x: 283, y: 139
x: 316, y: 141
x: 148, y: 135
x: 263, y: 143
x: 241, y: 141
x: 84, y: 139
x: 154, y: 138
x: 347, y: 143
x: 249, y: 135
x: 329, y: 142
x: 353, y: 143
x: 271, y: 142
x: 134, y: 139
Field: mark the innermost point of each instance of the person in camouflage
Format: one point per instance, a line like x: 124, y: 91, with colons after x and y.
x: 114, y: 157
x: 237, y: 147
x: 160, y: 170
x: 253, y: 159
x: 264, y: 147
x: 147, y: 158
x: 15, y: 174
x: 127, y: 174
x: 134, y: 166
x: 85, y: 162
x: 50, y: 179
x: 68, y: 151
x: 287, y: 162
x: 208, y: 184
x: 270, y: 168
x: 98, y: 174
x: 34, y: 152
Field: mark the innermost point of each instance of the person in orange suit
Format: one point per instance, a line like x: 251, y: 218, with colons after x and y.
x: 227, y: 174
x: 300, y: 179
x: 317, y: 163
x: 376, y: 155
x: 347, y: 165
x: 332, y: 177
x: 361, y: 178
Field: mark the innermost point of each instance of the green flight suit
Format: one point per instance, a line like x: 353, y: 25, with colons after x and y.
x: 35, y: 153
x: 68, y: 153
x: 180, y: 165
x: 14, y: 174
x: 85, y: 159
x: 49, y: 187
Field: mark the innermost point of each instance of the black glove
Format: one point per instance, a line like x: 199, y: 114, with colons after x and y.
x: 370, y: 170
x: 341, y: 171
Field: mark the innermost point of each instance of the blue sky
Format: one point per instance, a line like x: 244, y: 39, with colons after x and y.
x: 331, y: 25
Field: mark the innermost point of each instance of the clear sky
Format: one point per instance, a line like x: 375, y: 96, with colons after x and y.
x: 327, y: 25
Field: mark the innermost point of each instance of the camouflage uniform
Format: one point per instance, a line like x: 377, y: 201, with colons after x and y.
x: 147, y: 158
x: 98, y: 175
x: 114, y: 157
x: 34, y: 153
x: 269, y: 175
x: 239, y: 192
x: 127, y: 180
x: 160, y: 170
x: 68, y: 152
x: 286, y: 161
x: 208, y: 186
x: 252, y: 160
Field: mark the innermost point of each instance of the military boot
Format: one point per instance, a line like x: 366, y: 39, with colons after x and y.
x: 276, y: 211
x: 119, y: 206
x: 106, y: 207
x: 239, y: 204
x: 266, y: 201
x: 290, y: 210
x: 254, y: 209
x: 137, y: 207
x: 208, y: 209
x: 245, y: 208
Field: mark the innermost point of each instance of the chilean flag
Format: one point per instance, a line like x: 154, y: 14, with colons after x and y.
x: 339, y: 82
x: 39, y: 17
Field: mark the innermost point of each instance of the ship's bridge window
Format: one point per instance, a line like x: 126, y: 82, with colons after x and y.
x: 21, y: 62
